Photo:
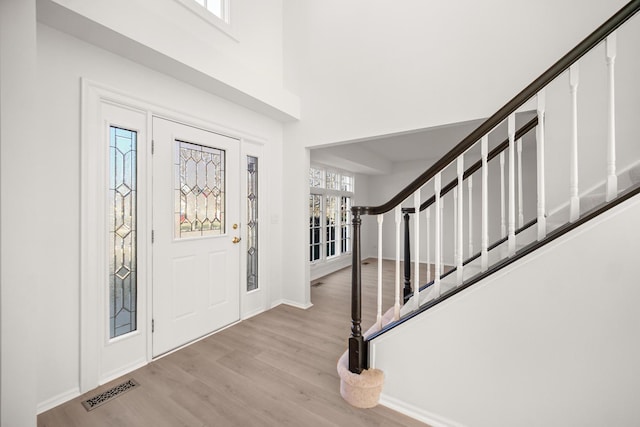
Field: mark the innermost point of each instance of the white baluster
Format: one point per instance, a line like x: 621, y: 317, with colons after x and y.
x: 542, y: 217
x: 442, y: 234
x: 470, y: 186
x: 379, y: 312
x: 396, y: 305
x: 503, y: 220
x: 574, y: 199
x: 455, y: 225
x: 428, y: 214
x: 511, y: 122
x: 438, y: 236
x: 484, y: 241
x: 416, y: 217
x: 612, y: 178
x: 460, y: 223
x: 520, y: 207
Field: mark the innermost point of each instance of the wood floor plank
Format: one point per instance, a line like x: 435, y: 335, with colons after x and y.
x: 299, y: 393
x: 275, y: 369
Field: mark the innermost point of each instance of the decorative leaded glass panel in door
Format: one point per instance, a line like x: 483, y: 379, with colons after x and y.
x: 199, y: 190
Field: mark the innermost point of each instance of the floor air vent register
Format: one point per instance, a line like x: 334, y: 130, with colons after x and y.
x: 109, y: 395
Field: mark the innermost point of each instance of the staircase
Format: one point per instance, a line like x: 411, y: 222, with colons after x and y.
x: 486, y: 213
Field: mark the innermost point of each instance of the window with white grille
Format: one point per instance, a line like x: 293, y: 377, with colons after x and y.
x: 330, y: 198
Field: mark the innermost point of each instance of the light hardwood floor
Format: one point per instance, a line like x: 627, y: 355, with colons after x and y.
x: 275, y: 369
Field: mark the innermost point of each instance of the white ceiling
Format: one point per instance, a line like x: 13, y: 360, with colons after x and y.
x: 377, y: 156
x: 427, y: 144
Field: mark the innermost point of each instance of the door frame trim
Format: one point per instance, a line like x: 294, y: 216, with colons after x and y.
x: 93, y: 95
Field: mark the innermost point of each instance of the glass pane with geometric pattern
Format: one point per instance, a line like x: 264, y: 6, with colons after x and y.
x: 122, y: 231
x: 199, y: 190
x: 252, y: 223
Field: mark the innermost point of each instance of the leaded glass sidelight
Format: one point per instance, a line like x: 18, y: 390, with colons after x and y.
x: 199, y: 190
x: 252, y: 223
x: 122, y: 231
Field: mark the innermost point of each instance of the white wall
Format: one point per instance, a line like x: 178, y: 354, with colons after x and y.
x: 21, y: 216
x: 62, y: 61
x: 363, y: 68
x: 246, y: 67
x: 551, y: 340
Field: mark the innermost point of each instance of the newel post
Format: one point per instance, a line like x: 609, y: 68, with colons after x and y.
x: 356, y: 340
x: 407, y: 292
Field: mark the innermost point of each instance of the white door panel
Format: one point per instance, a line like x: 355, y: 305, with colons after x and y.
x: 195, y: 261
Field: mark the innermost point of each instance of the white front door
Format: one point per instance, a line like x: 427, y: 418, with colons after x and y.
x: 195, y: 233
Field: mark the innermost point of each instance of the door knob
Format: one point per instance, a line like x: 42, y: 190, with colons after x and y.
x: 236, y: 239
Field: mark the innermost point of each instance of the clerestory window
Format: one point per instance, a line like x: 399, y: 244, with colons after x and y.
x: 219, y: 8
x: 215, y: 12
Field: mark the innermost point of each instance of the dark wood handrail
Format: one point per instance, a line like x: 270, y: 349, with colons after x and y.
x: 510, y: 107
x: 531, y: 124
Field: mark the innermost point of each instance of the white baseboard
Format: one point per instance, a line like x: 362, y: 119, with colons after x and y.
x: 253, y: 313
x: 419, y: 414
x: 292, y: 304
x: 324, y: 268
x: 58, y: 400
